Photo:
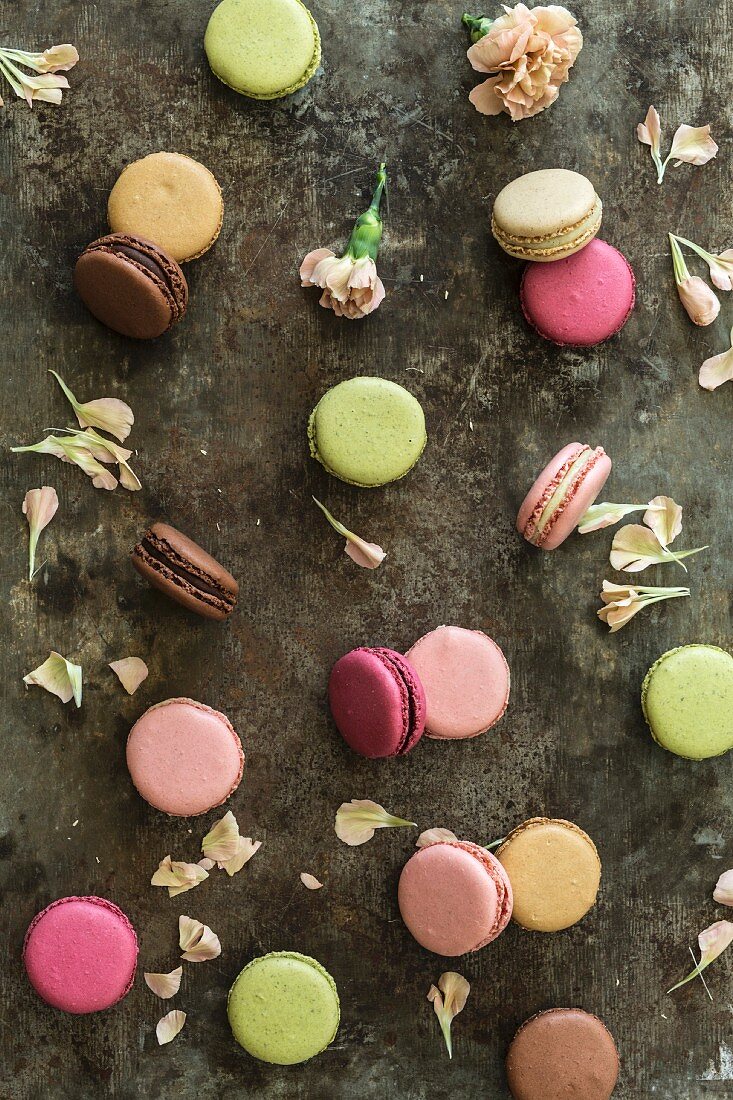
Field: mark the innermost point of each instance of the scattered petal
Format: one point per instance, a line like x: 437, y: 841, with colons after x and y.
x: 723, y: 892
x: 167, y: 1028
x: 701, y: 303
x: 108, y: 413
x: 635, y: 547
x: 622, y: 602
x: 448, y: 1000
x: 721, y: 266
x: 649, y: 132
x: 712, y: 942
x: 164, y: 985
x: 664, y: 517
x: 196, y: 940
x: 310, y: 881
x: 221, y: 843
x: 717, y: 370
x: 246, y: 849
x: 39, y: 507
x: 366, y: 554
x: 178, y: 877
x: 692, y: 145
x: 207, y: 863
x: 130, y: 671
x: 68, y: 449
x: 605, y: 515
x: 434, y: 836
x: 357, y: 820
x: 59, y: 676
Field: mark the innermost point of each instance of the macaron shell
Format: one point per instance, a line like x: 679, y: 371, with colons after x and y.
x: 687, y: 698
x: 284, y: 1008
x: 264, y: 50
x: 562, y: 1054
x: 555, y: 873
x: 449, y: 899
x: 370, y: 703
x: 582, y: 299
x: 466, y: 680
x: 184, y: 758
x: 123, y: 295
x: 367, y: 431
x: 171, y: 199
x: 546, y: 215
x: 80, y: 954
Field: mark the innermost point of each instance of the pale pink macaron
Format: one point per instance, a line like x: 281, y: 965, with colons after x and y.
x: 562, y: 494
x: 184, y: 757
x: 81, y: 954
x: 454, y: 897
x: 466, y: 681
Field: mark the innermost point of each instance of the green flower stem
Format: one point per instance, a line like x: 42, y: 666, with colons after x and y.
x: 478, y: 27
x: 695, y: 248
x: 367, y: 232
x: 681, y: 274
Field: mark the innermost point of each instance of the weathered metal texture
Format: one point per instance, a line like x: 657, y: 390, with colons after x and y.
x: 237, y: 380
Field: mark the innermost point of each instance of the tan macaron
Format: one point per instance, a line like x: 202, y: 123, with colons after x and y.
x: 170, y: 199
x: 555, y: 873
x: 546, y: 215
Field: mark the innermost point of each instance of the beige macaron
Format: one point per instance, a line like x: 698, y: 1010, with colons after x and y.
x: 555, y: 873
x: 546, y: 215
x: 170, y: 199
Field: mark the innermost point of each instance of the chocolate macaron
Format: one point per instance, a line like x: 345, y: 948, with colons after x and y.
x: 562, y: 1053
x: 176, y: 565
x: 131, y: 285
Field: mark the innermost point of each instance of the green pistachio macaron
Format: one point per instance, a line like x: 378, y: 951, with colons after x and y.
x: 367, y: 431
x: 687, y: 699
x: 284, y: 1008
x: 263, y: 49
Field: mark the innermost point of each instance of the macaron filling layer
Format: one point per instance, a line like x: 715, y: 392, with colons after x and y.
x: 559, y: 494
x: 162, y: 558
x: 548, y: 246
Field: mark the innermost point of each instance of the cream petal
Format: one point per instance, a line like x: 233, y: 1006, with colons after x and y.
x: 723, y: 892
x: 664, y: 517
x: 716, y: 370
x: 310, y: 881
x: 310, y: 263
x: 130, y: 671
x: 39, y: 507
x: 164, y: 985
x: 366, y: 554
x: 699, y: 300
x: 692, y: 145
x: 177, y: 876
x: 434, y: 836
x: 222, y: 841
x: 169, y: 1026
x: 58, y: 676
x: 356, y: 821
x: 198, y: 943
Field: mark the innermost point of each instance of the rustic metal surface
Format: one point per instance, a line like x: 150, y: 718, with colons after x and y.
x: 237, y: 380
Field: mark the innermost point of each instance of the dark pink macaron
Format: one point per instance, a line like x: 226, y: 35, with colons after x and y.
x: 581, y: 300
x: 377, y: 702
x: 562, y: 494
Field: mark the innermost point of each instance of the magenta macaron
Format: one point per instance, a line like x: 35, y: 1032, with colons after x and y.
x: 184, y: 758
x: 80, y: 954
x: 582, y: 299
x: 466, y: 681
x: 562, y: 494
x: 377, y: 701
x: 454, y: 897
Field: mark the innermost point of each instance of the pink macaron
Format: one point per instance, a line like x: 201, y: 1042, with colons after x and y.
x: 466, y: 681
x: 377, y: 701
x: 80, y: 954
x: 582, y: 299
x: 454, y: 897
x: 184, y: 757
x: 562, y: 494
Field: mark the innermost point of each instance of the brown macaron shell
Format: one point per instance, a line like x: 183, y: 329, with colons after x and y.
x: 562, y: 1054
x: 131, y: 285
x: 183, y: 571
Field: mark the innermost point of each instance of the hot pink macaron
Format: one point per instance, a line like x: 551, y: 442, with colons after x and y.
x: 466, y: 681
x: 581, y: 300
x: 184, y: 757
x: 454, y: 897
x: 80, y: 954
x: 377, y: 701
x: 562, y: 494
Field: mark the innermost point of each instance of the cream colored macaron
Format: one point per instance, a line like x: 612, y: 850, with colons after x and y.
x: 171, y: 200
x: 555, y: 873
x: 546, y: 215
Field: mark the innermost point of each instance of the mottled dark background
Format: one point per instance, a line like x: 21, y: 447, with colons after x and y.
x: 237, y: 380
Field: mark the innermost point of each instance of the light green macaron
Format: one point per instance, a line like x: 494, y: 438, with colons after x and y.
x: 264, y: 49
x: 367, y: 431
x: 284, y: 1008
x: 687, y: 699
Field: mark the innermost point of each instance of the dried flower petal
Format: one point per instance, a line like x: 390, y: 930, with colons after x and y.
x: 48, y: 86
x: 310, y: 881
x: 108, y: 413
x: 701, y: 303
x: 712, y: 942
x: 635, y: 547
x: 455, y: 990
x: 246, y: 849
x: 196, y: 940
x: 170, y: 1025
x: 221, y: 843
x: 649, y: 132
x: 178, y: 877
x: 357, y: 820
x: 434, y: 836
x: 622, y: 602
x: 130, y: 671
x: 39, y: 506
x: 59, y: 676
x: 69, y: 450
x: 605, y: 515
x: 692, y: 145
x: 718, y: 369
x: 207, y: 863
x: 664, y: 517
x: 366, y: 554
x: 723, y: 892
x: 164, y: 985
x: 721, y: 266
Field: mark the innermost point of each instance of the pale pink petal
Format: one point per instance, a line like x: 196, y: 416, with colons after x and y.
x: 693, y: 145
x: 310, y: 263
x: 664, y: 517
x: 357, y: 820
x: 717, y: 370
x: 714, y: 940
x: 170, y: 1025
x: 366, y: 554
x: 723, y: 892
x: 434, y: 836
x: 58, y: 676
x: 130, y: 671
x: 650, y: 130
x: 39, y: 507
x: 699, y: 300
x: 310, y: 881
x: 164, y: 985
x: 177, y: 876
x: 448, y: 1000
x: 222, y: 841
x: 197, y: 941
x: 486, y: 98
x: 207, y: 863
